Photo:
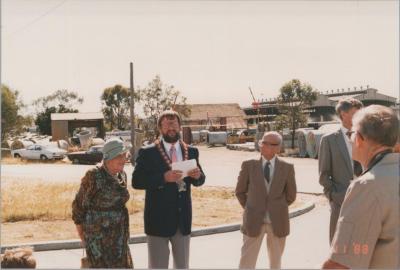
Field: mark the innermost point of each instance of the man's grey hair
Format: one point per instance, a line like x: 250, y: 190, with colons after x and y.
x: 274, y: 133
x: 346, y: 104
x: 378, y: 124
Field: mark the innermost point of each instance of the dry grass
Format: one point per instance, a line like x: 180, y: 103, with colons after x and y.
x: 19, y: 161
x: 44, y: 201
x: 42, y: 212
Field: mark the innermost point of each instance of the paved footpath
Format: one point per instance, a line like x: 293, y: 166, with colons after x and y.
x: 306, y: 247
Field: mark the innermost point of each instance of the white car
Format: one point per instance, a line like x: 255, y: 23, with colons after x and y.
x: 39, y: 152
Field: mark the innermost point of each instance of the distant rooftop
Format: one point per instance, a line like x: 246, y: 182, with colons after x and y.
x: 330, y: 98
x: 337, y: 98
x: 208, y: 112
x: 77, y: 116
x: 204, y: 111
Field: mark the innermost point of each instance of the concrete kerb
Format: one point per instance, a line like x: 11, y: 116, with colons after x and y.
x: 141, y: 238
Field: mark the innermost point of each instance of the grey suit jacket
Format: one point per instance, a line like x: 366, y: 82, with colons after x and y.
x: 335, y: 166
x: 252, y: 195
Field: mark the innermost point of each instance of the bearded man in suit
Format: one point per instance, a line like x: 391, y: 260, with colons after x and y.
x: 168, y: 203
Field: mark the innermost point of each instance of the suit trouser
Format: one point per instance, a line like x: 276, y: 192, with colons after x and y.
x: 335, y: 211
x: 158, y: 251
x: 251, y: 247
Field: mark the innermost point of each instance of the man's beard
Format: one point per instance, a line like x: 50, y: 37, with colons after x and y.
x: 172, y: 139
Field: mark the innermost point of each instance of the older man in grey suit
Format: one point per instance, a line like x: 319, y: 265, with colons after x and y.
x: 336, y: 167
x: 265, y: 189
x: 368, y: 231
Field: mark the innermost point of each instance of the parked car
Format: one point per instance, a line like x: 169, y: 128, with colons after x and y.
x: 93, y: 156
x: 37, y: 151
x: 247, y: 135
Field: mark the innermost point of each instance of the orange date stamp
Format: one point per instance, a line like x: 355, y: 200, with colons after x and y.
x: 354, y: 248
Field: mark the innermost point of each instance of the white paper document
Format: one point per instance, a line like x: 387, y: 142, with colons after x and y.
x: 185, y: 166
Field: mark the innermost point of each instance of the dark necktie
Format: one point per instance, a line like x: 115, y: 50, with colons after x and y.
x: 266, y: 171
x: 357, y: 168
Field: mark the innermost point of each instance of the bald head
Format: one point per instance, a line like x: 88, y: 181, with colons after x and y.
x: 271, y: 135
x: 270, y: 144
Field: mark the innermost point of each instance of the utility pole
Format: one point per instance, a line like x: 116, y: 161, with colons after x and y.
x: 132, y: 110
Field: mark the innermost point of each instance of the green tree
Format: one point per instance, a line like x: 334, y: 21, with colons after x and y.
x: 293, y: 99
x: 68, y: 99
x: 116, y: 102
x: 23, y: 122
x: 157, y: 97
x: 9, y: 110
x: 61, y: 101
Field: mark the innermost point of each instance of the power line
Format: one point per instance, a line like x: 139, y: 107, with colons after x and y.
x: 38, y: 18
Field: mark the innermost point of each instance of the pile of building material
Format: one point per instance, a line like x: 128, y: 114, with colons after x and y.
x: 217, y: 137
x: 302, y: 142
x: 313, y: 140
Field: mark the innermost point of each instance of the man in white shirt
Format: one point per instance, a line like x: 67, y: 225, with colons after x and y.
x: 335, y: 163
x: 168, y: 202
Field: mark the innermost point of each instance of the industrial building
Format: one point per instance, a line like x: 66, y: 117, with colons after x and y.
x: 63, y: 124
x: 323, y: 109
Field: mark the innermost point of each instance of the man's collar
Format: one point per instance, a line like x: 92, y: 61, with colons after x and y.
x: 167, y: 145
x: 344, y: 130
x: 272, y: 161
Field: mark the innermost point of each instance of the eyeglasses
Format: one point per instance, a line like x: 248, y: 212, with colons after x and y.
x: 270, y: 144
x: 352, y: 135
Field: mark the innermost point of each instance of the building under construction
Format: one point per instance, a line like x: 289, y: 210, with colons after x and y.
x: 323, y: 109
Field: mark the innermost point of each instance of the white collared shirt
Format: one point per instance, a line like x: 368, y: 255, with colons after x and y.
x: 267, y: 219
x: 177, y: 148
x: 348, y: 142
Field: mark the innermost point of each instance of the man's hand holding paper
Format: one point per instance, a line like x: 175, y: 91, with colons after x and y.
x: 188, y: 168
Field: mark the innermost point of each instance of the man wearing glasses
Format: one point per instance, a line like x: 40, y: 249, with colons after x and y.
x: 335, y: 162
x: 368, y: 230
x: 265, y: 189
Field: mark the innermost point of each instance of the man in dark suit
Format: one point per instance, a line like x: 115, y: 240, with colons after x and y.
x: 168, y: 203
x: 335, y: 163
x: 265, y: 189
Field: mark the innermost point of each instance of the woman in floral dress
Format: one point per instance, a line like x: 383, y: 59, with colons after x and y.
x: 99, y: 210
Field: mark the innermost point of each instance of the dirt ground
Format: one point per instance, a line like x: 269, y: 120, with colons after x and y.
x: 211, y: 206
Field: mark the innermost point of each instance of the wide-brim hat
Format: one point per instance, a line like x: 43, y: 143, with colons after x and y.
x: 113, y: 148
